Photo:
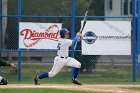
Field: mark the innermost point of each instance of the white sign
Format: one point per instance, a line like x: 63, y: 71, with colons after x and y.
x: 38, y: 35
x: 106, y: 38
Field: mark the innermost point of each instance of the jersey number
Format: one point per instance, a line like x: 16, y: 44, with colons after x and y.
x: 58, y: 46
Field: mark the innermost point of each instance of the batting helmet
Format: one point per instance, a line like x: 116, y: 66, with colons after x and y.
x: 63, y: 31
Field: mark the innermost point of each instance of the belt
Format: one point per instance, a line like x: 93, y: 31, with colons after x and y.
x: 62, y: 57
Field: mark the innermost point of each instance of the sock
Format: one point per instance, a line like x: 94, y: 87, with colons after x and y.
x: 75, y: 72
x: 43, y: 75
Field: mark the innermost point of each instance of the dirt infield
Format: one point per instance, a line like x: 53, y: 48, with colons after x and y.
x: 107, y: 88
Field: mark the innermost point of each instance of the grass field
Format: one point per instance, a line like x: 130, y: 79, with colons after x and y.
x: 41, y: 90
x: 101, y: 75
x: 68, y: 88
x: 135, y: 88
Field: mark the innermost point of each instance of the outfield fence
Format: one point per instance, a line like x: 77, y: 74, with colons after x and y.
x: 69, y: 12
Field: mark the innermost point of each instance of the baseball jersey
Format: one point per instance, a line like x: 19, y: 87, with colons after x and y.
x: 63, y: 47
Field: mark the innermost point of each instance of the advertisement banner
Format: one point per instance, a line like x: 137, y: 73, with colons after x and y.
x: 106, y: 38
x: 38, y: 35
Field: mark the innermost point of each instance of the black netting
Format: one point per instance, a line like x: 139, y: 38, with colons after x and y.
x: 46, y: 7
x: 94, y: 68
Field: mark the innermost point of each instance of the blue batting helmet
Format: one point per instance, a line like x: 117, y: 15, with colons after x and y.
x: 63, y: 31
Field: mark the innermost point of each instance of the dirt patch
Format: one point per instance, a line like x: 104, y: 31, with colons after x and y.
x: 107, y: 88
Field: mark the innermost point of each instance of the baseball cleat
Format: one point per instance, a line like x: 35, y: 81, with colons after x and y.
x: 36, y: 80
x: 76, y: 81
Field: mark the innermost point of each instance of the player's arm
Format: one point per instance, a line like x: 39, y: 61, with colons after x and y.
x: 70, y: 42
x: 75, y: 39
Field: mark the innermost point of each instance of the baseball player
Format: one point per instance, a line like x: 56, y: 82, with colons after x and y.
x: 3, y: 80
x: 62, y: 59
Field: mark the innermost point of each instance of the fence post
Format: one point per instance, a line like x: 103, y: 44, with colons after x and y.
x: 19, y: 51
x: 0, y: 26
x: 0, y: 29
x: 72, y: 23
x: 133, y: 41
x: 138, y: 35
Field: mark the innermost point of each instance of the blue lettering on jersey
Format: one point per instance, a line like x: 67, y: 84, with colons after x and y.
x: 58, y: 46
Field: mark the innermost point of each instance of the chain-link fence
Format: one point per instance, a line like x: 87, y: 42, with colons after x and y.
x: 30, y: 62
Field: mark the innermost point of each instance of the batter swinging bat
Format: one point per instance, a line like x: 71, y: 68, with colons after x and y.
x: 85, y: 20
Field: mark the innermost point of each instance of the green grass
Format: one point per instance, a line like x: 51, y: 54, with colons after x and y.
x: 41, y: 90
x: 102, y: 75
x: 134, y: 88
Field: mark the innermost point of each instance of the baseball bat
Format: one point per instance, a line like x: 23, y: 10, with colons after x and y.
x: 85, y: 20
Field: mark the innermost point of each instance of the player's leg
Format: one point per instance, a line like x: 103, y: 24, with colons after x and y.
x: 58, y: 65
x: 75, y: 69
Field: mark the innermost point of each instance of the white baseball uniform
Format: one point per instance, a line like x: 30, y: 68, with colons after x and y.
x: 62, y: 58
